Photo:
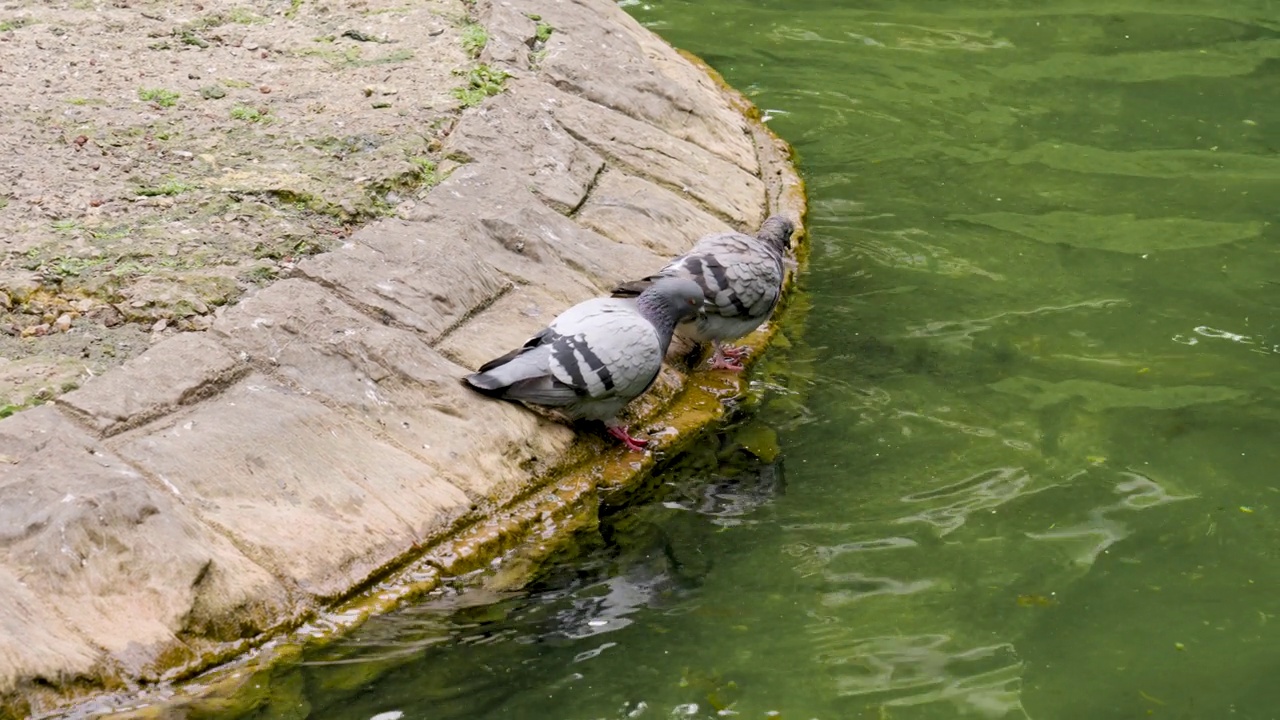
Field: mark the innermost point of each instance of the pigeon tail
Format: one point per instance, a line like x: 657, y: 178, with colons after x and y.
x: 634, y: 288
x: 499, y: 375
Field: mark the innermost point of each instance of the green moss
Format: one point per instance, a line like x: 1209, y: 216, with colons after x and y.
x: 474, y: 38
x: 189, y: 37
x: 14, y: 24
x: 543, y: 32
x: 483, y: 81
x: 169, y: 187
x: 249, y: 114
x: 243, y: 16
x: 294, y: 7
x: 159, y: 96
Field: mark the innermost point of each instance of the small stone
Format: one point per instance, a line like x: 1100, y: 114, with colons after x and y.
x: 83, y: 305
x: 63, y: 323
x: 199, y: 306
x: 212, y: 92
x: 36, y: 330
x: 160, y: 325
x: 265, y: 90
x: 138, y: 304
x: 5, y: 302
x: 108, y: 316
x: 172, y: 251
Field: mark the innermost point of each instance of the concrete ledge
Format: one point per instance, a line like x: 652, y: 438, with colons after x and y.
x: 312, y: 459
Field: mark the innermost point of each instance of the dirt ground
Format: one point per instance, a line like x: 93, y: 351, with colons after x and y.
x: 158, y: 158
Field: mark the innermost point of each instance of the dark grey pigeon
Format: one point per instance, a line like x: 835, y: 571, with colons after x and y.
x: 741, y: 280
x: 595, y: 357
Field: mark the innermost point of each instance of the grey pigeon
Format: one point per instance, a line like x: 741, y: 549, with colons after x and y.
x: 741, y: 278
x: 595, y: 357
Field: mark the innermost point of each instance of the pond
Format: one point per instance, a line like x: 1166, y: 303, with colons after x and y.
x: 1029, y: 460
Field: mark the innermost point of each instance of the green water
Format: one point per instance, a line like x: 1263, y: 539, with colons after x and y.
x: 1030, y: 460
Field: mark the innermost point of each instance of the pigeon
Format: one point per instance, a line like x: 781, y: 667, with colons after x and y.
x: 595, y: 357
x: 741, y: 278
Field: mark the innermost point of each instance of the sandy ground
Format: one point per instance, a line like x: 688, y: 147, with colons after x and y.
x: 159, y: 158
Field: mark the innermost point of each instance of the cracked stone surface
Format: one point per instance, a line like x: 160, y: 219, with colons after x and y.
x: 221, y: 486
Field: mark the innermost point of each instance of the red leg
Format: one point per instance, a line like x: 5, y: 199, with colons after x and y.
x: 722, y: 361
x: 633, y: 444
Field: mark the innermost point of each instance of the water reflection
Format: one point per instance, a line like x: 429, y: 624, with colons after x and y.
x: 1093, y: 536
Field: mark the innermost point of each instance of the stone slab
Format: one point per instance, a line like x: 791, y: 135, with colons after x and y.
x: 123, y: 560
x: 517, y: 133
x: 511, y: 35
x: 309, y: 494
x: 35, y: 644
x: 491, y: 210
x: 719, y: 185
x: 503, y: 326
x: 418, y: 274
x: 647, y: 80
x: 396, y: 383
x: 637, y: 212
x: 177, y: 371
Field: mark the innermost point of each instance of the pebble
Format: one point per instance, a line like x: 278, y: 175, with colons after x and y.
x: 63, y: 323
x: 160, y: 325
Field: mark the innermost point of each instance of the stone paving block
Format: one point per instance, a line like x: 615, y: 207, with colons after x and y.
x: 645, y: 150
x: 647, y: 79
x: 311, y: 495
x: 634, y: 211
x: 503, y: 326
x: 421, y: 275
x: 35, y: 643
x: 178, y: 370
x: 395, y: 381
x: 494, y: 212
x: 516, y: 133
x: 124, y: 561
x: 511, y: 33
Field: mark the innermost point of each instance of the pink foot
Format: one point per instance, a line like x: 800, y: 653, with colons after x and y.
x: 633, y: 444
x: 734, y: 351
x: 722, y: 360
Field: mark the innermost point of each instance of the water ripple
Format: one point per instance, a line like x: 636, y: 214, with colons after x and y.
x: 982, y: 491
x: 1100, y: 531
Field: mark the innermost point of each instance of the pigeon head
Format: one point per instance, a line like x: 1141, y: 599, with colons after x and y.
x: 668, y: 302
x: 777, y: 232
